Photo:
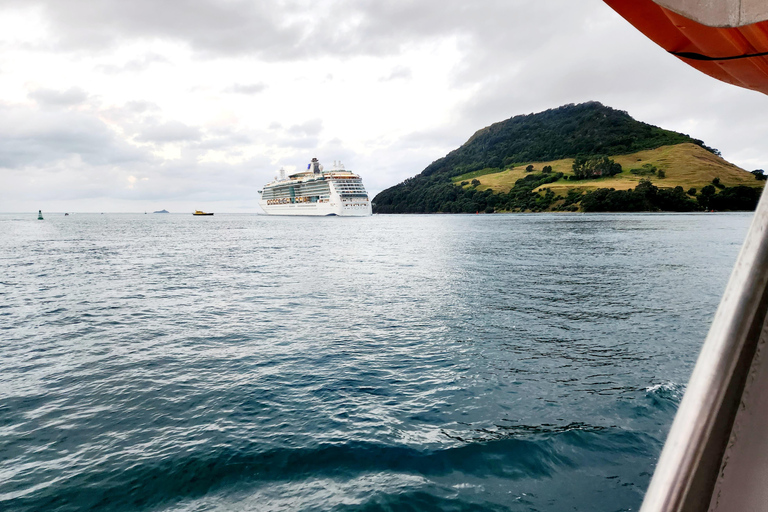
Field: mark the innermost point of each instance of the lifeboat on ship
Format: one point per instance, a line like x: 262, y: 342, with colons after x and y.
x: 726, y: 39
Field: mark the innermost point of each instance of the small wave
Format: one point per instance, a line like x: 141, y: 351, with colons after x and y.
x: 666, y: 395
x: 667, y: 390
x: 132, y: 485
x: 153, y: 483
x: 421, y: 501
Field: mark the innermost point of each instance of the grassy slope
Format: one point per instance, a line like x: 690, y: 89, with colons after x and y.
x: 686, y: 165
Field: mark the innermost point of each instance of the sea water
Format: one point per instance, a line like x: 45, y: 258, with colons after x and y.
x: 434, y: 362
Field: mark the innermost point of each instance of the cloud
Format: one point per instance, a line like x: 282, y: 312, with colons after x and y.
x: 209, y: 26
x: 53, y: 98
x: 312, y: 127
x: 277, y: 30
x: 30, y: 137
x: 224, y: 142
x: 132, y: 66
x: 172, y: 131
x: 140, y: 107
x: 248, y: 89
x: 398, y: 73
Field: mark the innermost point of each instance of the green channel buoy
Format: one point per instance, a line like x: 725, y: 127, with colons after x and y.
x: 39, y: 214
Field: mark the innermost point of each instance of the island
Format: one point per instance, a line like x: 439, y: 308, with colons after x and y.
x: 161, y: 211
x: 586, y: 157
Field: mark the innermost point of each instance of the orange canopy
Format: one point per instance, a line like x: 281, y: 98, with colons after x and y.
x: 737, y: 55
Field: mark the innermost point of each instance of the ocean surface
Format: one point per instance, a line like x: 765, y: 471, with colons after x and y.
x: 403, y: 363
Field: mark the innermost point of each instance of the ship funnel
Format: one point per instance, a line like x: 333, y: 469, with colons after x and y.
x: 315, y: 166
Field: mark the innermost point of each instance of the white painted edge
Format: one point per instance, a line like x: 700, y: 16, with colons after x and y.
x: 719, y: 13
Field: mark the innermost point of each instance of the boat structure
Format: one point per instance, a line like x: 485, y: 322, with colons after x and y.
x: 316, y: 192
x: 716, y: 455
x: 199, y: 212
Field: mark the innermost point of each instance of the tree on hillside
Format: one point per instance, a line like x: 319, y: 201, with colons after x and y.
x: 647, y: 189
x: 529, y: 168
x: 760, y: 175
x: 706, y: 195
x: 594, y: 167
x: 738, y: 198
x: 645, y: 197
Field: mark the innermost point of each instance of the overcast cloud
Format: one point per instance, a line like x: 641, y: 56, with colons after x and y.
x: 142, y: 105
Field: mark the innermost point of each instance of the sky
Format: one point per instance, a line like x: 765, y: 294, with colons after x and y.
x: 132, y: 106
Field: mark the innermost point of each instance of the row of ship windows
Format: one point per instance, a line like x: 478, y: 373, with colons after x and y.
x: 311, y: 190
x: 297, y: 200
x: 285, y: 194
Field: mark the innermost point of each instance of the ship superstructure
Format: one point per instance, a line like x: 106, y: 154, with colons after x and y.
x: 316, y: 192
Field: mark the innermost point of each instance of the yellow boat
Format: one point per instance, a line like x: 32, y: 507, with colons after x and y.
x: 198, y: 212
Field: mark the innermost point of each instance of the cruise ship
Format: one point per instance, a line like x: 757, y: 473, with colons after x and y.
x: 316, y: 192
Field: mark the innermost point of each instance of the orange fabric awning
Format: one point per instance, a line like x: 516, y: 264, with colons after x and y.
x: 736, y: 55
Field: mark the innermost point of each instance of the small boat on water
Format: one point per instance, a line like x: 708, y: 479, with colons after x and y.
x: 716, y: 455
x: 198, y: 212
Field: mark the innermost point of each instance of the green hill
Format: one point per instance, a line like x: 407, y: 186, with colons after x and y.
x: 489, y: 171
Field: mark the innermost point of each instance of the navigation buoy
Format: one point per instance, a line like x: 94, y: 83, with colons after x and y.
x: 39, y: 214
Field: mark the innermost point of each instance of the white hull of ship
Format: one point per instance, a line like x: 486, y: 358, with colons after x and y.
x: 340, y: 209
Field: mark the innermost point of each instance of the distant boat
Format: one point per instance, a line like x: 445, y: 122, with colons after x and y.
x: 161, y: 211
x: 198, y: 212
x: 66, y: 214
